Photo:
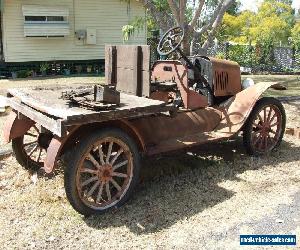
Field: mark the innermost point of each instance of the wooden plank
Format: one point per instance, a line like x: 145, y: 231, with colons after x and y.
x: 110, y: 65
x: 55, y: 126
x: 133, y: 73
x: 39, y: 101
x: 91, y: 118
x: 125, y: 56
x: 49, y: 103
x: 131, y: 106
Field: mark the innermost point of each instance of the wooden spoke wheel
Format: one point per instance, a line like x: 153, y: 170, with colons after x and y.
x: 103, y: 172
x: 265, y: 127
x: 30, y: 149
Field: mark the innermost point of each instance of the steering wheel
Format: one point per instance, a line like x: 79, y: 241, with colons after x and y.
x: 170, y: 41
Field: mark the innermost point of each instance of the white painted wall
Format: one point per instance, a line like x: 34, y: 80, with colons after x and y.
x: 106, y: 16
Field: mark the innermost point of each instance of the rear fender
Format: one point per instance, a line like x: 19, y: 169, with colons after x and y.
x: 237, y: 109
x: 15, y: 127
x: 59, y: 146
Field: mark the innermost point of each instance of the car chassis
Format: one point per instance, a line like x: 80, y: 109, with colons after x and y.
x: 175, y: 105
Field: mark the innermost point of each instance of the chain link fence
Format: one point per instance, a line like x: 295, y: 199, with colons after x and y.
x: 253, y: 59
x: 259, y: 59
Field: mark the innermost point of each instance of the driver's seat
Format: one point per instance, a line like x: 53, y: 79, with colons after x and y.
x: 128, y: 68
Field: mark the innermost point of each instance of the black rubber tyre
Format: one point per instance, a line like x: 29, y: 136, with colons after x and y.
x: 87, y: 175
x: 258, y: 131
x: 21, y: 156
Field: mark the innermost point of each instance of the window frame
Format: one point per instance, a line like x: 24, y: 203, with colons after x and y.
x: 65, y: 20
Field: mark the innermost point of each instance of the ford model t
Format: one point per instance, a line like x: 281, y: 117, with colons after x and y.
x: 105, y: 130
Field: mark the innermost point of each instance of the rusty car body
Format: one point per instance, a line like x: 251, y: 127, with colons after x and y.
x: 174, y: 105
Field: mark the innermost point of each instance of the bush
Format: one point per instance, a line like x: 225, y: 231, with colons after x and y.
x: 242, y: 54
x: 24, y: 73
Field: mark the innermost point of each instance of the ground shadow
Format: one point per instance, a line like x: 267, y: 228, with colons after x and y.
x: 179, y: 185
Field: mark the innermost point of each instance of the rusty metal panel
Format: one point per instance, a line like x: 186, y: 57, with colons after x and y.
x: 52, y: 154
x: 237, y: 109
x: 156, y: 129
x: 206, y: 125
x: 174, y: 71
x: 15, y: 127
x: 226, y: 77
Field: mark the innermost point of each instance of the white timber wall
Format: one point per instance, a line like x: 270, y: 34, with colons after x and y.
x: 106, y: 16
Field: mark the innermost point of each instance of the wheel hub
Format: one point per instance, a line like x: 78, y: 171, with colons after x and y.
x: 105, y: 173
x: 266, y: 128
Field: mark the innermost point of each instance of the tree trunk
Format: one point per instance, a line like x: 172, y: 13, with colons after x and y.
x: 186, y: 42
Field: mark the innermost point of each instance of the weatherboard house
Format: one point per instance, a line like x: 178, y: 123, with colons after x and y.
x: 61, y: 30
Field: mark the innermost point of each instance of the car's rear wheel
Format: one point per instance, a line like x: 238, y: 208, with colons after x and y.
x: 103, y: 172
x: 264, y: 129
x: 30, y: 149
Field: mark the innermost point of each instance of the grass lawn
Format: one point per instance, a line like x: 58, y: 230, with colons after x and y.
x: 51, y: 81
x: 202, y: 198
x: 292, y: 82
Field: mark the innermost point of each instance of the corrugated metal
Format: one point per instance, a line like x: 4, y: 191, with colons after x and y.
x: 42, y: 10
x: 46, y: 29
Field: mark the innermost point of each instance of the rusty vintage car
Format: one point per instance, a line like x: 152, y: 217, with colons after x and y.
x: 174, y: 105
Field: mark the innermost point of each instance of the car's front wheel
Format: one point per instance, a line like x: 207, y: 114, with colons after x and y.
x: 265, y: 127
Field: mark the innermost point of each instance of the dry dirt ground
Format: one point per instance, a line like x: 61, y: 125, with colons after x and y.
x: 200, y: 199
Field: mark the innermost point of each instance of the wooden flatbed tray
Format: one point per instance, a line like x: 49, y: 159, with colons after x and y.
x: 46, y: 107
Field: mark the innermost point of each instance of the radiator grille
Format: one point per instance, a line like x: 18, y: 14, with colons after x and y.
x: 221, y: 81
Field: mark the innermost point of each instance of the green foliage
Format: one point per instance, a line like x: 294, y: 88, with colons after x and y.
x: 234, y: 8
x: 242, y: 54
x: 137, y: 24
x: 162, y: 5
x: 220, y: 55
x: 24, y: 73
x: 296, y: 36
x: 236, y: 28
x: 271, y: 24
x: 44, y: 67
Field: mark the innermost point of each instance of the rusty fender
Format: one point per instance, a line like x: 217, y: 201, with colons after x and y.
x: 15, y: 127
x: 237, y: 109
x: 60, y: 145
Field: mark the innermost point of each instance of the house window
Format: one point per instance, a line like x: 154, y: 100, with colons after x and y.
x: 45, y: 21
x: 35, y: 18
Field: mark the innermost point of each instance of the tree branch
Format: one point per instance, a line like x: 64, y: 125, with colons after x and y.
x: 197, y: 14
x: 163, y: 20
x: 215, y: 15
x: 175, y: 10
x: 216, y: 23
x: 182, y: 9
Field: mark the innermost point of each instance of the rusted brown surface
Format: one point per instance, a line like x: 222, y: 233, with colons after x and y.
x: 174, y: 71
x: 237, y: 109
x: 157, y: 129
x: 161, y: 132
x: 53, y: 153
x: 164, y: 96
x: 226, y: 77
x: 233, y: 115
x: 15, y: 127
x: 53, y: 125
x: 59, y: 146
